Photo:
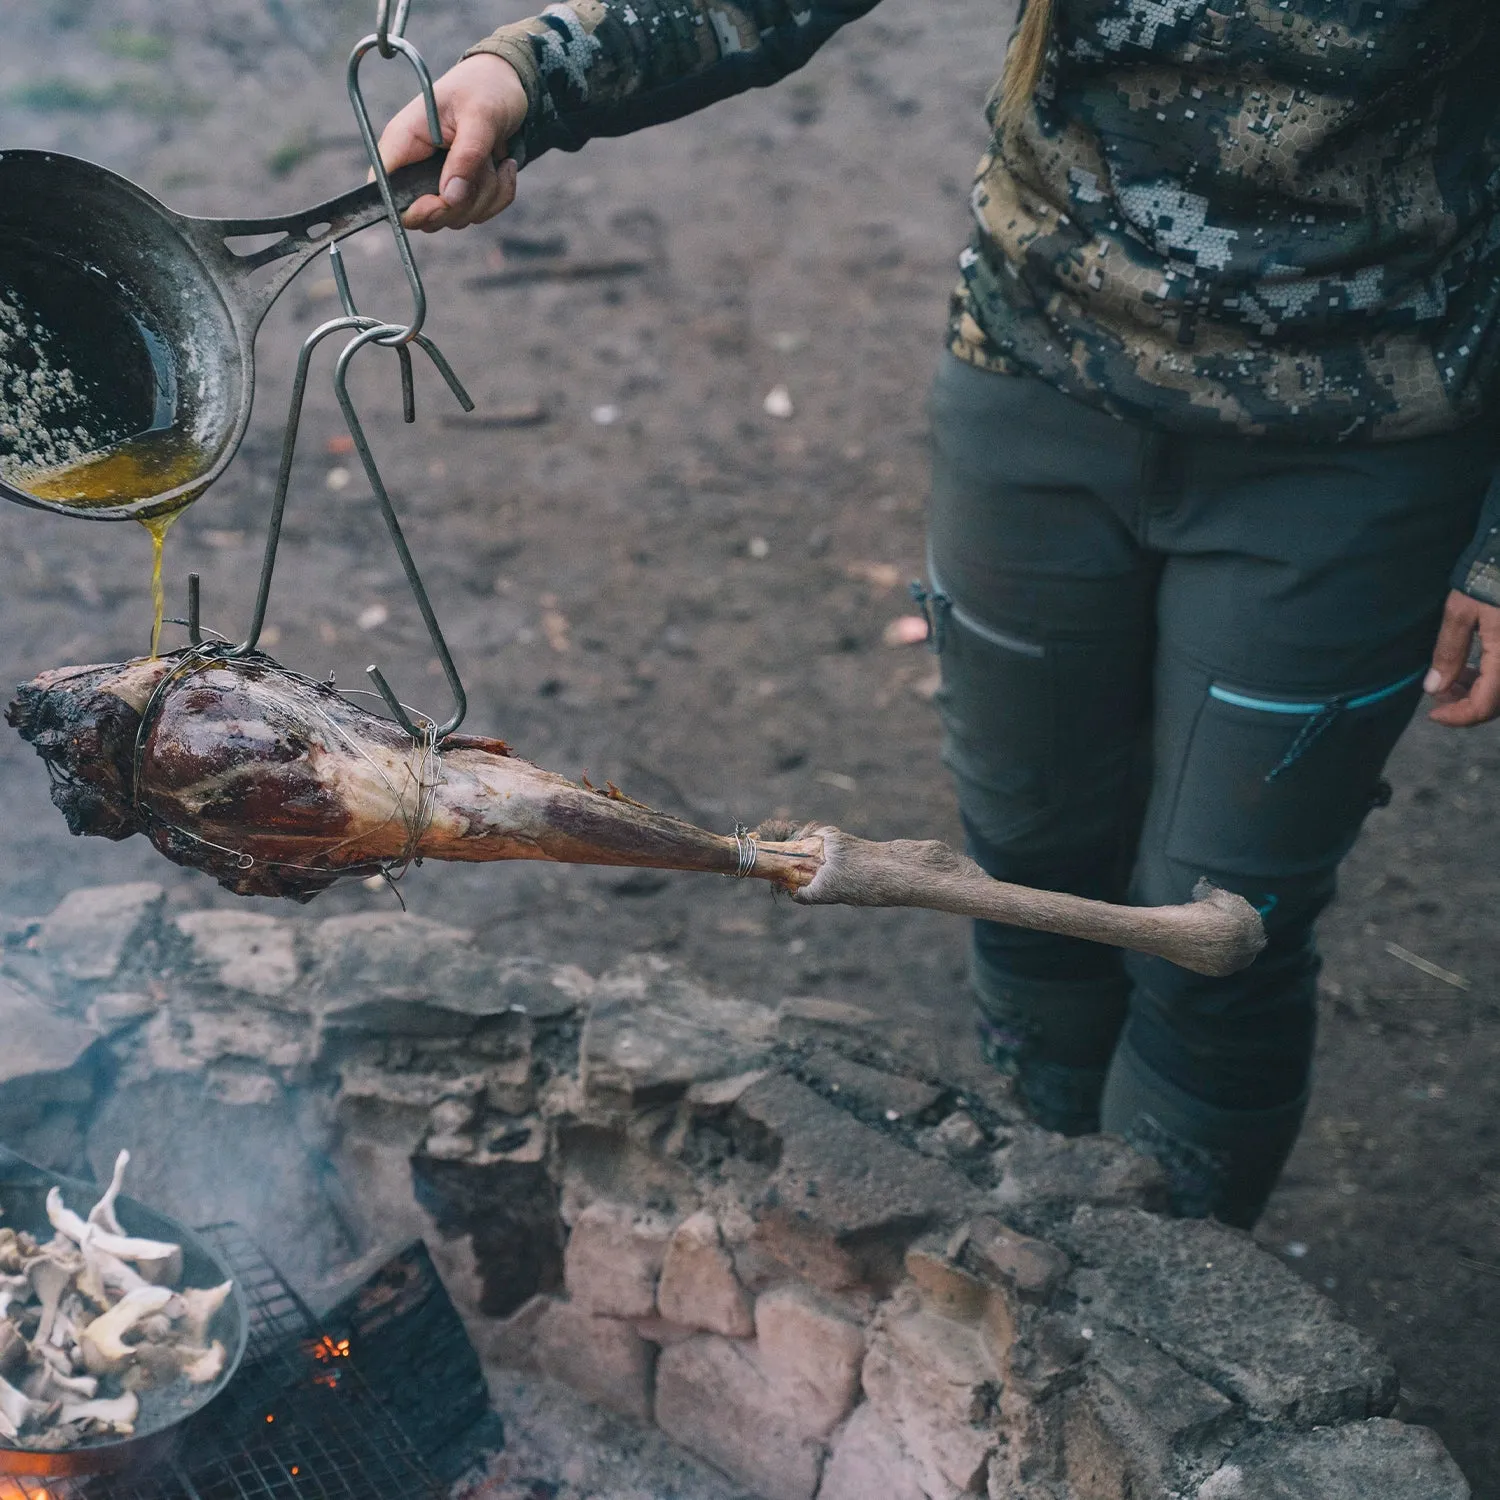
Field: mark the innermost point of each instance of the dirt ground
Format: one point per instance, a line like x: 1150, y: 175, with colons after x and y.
x: 660, y: 582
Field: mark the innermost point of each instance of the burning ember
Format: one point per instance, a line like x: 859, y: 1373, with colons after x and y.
x: 326, y: 1350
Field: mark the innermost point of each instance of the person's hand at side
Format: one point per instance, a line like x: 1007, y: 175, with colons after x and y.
x: 481, y: 104
x: 1466, y: 695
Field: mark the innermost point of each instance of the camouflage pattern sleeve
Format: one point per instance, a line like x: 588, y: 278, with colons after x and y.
x: 1478, y: 570
x: 607, y: 67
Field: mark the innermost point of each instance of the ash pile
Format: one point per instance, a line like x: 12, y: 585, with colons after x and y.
x: 764, y: 1233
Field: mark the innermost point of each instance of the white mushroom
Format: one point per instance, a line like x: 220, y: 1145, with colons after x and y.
x: 58, y: 1437
x: 104, y: 1348
x: 199, y: 1307
x: 118, y: 1415
x: 206, y: 1365
x: 64, y: 1333
x: 57, y: 1358
x: 108, y: 1272
x: 157, y: 1329
x: 98, y: 1300
x: 64, y: 1220
x: 157, y: 1261
x: 154, y: 1365
x: 19, y: 1410
x: 90, y: 1288
x: 102, y: 1214
x: 47, y: 1381
x: 50, y: 1279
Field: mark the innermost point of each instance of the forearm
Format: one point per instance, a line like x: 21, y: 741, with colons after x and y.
x: 607, y: 67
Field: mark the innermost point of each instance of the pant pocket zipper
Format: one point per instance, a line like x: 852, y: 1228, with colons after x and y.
x: 1320, y: 716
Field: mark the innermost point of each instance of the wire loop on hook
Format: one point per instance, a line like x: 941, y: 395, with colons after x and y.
x: 387, y: 27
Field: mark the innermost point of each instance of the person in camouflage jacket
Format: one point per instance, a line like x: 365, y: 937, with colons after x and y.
x: 1214, y: 464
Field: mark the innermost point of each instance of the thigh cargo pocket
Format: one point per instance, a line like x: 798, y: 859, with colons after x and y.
x: 1043, y: 736
x: 998, y: 703
x: 1274, y: 786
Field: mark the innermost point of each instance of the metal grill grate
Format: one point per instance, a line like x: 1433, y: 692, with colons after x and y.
x: 299, y: 1422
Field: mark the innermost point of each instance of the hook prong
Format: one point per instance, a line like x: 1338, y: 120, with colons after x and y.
x: 408, y: 384
x: 341, y: 280
x: 392, y: 702
x: 446, y: 370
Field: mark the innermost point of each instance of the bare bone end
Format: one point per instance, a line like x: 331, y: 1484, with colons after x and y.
x: 1217, y: 933
x: 1225, y: 935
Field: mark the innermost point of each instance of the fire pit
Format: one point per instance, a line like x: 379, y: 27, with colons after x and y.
x: 323, y: 1407
x: 767, y: 1234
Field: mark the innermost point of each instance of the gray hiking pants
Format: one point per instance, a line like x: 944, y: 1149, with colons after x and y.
x: 1165, y: 658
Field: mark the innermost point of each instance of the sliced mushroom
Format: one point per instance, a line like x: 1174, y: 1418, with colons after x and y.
x: 59, y: 1359
x: 104, y: 1348
x: 64, y: 1220
x: 50, y: 1280
x: 109, y: 1272
x: 199, y: 1307
x: 48, y: 1382
x: 74, y: 1314
x: 58, y: 1437
x: 118, y: 1415
x: 102, y: 1214
x: 157, y: 1261
x: 154, y: 1365
x: 90, y: 1288
x: 157, y: 1329
x: 19, y: 1410
x: 10, y: 1252
x: 205, y: 1365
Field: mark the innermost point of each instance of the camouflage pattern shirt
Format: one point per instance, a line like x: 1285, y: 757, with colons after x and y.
x: 1272, y: 218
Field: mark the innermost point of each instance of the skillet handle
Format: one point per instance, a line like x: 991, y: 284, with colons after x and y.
x: 250, y: 295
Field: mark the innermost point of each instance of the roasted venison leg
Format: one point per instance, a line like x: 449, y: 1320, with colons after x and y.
x: 278, y: 786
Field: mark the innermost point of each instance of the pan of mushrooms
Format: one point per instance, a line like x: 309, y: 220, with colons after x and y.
x: 116, y: 1324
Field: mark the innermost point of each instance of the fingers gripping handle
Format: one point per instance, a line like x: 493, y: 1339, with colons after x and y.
x: 1217, y: 933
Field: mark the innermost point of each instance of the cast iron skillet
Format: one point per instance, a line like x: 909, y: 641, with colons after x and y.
x: 23, y: 1195
x: 132, y: 269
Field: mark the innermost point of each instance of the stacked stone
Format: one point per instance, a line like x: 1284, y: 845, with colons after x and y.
x: 829, y: 1275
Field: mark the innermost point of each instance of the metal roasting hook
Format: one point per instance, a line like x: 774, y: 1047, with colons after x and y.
x: 393, y: 525
x: 377, y: 166
x: 366, y: 331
